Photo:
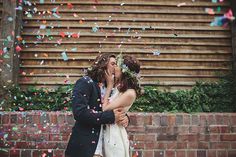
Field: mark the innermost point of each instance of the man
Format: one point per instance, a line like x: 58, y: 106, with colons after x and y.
x: 87, y: 109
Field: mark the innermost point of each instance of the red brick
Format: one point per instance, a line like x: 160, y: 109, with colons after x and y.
x: 145, y: 137
x: 148, y: 154
x: 14, y: 153
x: 163, y: 120
x: 182, y: 129
x: 137, y: 153
x: 191, y: 153
x: 219, y: 119
x: 187, y: 137
x: 70, y: 119
x: 139, y: 145
x: 26, y: 153
x: 171, y: 145
x: 53, y: 118
x: 186, y: 119
x: 25, y: 145
x: 58, y: 153
x: 180, y: 153
x: 221, y: 153
x: 136, y: 120
x: 159, y: 154
x: 153, y: 129
x: 233, y: 145
x: 169, y: 153
x: 13, y: 119
x: 228, y: 137
x: 21, y: 119
x: 232, y: 153
x: 203, y: 145
x: 4, y: 153
x: 156, y: 119
x: 193, y: 145
x: 211, y: 119
x: 171, y: 120
x: 136, y: 129
x: 201, y: 153
x: 156, y: 145
x: 219, y: 129
x: 195, y: 120
x: 148, y: 120
x: 166, y: 137
x: 197, y: 129
x: 179, y: 120
x: 219, y: 145
x: 233, y: 120
x: 214, y: 137
x: 46, y: 145
x: 203, y: 120
x: 5, y: 119
x: 211, y: 153
x: 58, y: 137
x: 182, y: 145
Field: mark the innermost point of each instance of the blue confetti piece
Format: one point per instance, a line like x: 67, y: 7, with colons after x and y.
x: 74, y: 49
x: 214, y: 1
x: 156, y: 53
x: 95, y: 29
x: 41, y: 1
x: 55, y: 15
x: 64, y: 56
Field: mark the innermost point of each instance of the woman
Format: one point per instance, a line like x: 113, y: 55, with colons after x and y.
x: 116, y: 143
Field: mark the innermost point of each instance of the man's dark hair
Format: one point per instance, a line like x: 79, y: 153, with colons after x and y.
x: 98, y: 68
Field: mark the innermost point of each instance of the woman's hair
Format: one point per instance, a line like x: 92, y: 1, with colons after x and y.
x: 98, y: 68
x: 129, y: 77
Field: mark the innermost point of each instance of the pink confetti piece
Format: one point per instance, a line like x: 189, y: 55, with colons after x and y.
x: 69, y: 5
x: 18, y: 48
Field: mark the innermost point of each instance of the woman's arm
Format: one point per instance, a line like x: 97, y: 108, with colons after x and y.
x: 126, y: 99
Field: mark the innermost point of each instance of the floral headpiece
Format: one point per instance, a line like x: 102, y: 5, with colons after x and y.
x: 125, y: 68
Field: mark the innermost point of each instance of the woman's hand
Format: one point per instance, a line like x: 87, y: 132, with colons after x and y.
x: 109, y: 79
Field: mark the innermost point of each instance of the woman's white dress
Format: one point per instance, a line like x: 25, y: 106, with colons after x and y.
x: 115, y: 142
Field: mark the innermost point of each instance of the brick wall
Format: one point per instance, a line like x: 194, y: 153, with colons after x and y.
x: 41, y: 134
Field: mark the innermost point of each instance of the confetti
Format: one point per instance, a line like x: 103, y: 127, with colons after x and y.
x: 69, y: 5
x: 18, y: 48
x: 181, y: 4
x: 55, y: 15
x: 214, y: 1
x: 62, y: 34
x: 122, y: 4
x: 210, y: 11
x: 156, y: 53
x: 10, y: 19
x: 64, y: 56
x: 95, y: 29
x: 41, y: 1
x: 42, y: 27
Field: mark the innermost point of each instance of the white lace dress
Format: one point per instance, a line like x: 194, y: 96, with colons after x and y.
x: 114, y: 142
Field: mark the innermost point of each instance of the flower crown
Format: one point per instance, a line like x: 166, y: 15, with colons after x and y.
x: 124, y: 67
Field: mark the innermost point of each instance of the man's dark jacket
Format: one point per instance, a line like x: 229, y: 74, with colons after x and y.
x: 87, y: 111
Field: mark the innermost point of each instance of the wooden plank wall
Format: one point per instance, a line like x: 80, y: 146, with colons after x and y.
x: 190, y: 49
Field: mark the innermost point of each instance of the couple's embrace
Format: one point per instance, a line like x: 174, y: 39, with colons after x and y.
x: 100, y: 102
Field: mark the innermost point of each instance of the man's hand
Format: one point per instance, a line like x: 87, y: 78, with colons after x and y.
x: 124, y: 122
x: 119, y: 114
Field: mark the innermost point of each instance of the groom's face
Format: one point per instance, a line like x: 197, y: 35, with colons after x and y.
x: 111, y: 65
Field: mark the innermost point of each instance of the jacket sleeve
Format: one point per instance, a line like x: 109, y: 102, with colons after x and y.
x: 82, y: 113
